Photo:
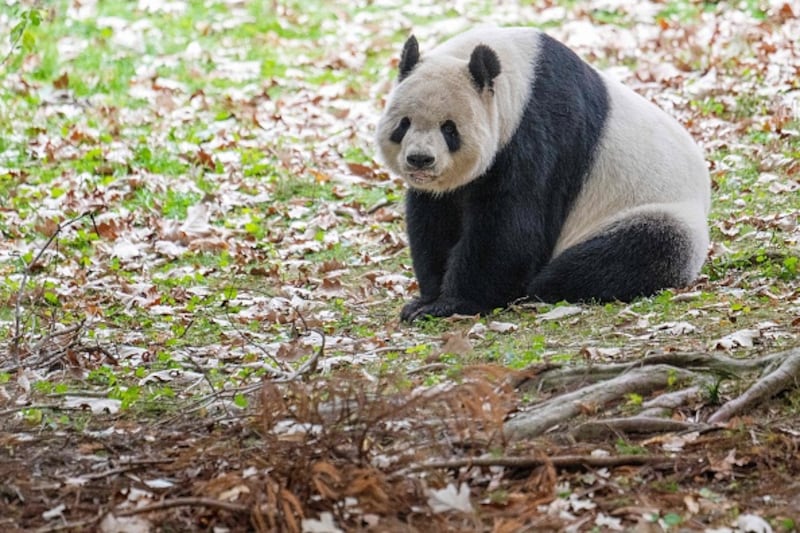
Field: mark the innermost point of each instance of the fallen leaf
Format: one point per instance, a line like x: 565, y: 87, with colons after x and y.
x: 739, y: 339
x: 55, y: 512
x: 502, y: 327
x: 750, y: 523
x: 95, y: 405
x: 325, y: 524
x: 196, y: 223
x: 450, y: 499
x: 558, y: 313
x: 456, y: 343
x: 125, y: 250
x: 124, y: 524
x: 674, y: 328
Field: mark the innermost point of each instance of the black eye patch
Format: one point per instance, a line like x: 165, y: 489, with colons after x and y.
x: 400, y: 131
x: 451, y: 135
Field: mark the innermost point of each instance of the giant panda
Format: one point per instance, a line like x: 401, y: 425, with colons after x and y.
x: 534, y: 176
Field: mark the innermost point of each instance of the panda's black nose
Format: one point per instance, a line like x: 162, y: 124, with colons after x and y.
x: 419, y: 160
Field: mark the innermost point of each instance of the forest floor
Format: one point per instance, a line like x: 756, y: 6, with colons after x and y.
x: 202, y: 267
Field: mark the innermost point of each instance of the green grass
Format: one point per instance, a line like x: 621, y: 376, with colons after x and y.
x: 118, y: 129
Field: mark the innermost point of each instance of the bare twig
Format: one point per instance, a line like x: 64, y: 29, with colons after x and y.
x: 81, y: 525
x: 285, y: 372
x: 126, y: 467
x: 185, y: 502
x: 785, y: 376
x: 41, y: 406
x: 431, y: 367
x: 310, y: 366
x: 56, y: 334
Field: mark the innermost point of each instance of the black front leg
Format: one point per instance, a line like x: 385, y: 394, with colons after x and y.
x: 434, y: 226
x: 500, y: 249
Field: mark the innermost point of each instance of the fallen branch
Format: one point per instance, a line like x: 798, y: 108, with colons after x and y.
x: 81, y: 525
x: 125, y: 467
x: 185, y: 502
x: 562, y: 461
x: 787, y: 375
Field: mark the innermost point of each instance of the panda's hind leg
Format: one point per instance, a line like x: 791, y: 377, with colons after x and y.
x: 634, y: 257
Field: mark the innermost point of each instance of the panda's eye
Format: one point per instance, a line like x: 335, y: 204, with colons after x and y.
x: 451, y: 136
x: 400, y: 131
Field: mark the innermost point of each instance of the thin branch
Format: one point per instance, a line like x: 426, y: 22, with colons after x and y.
x: 787, y: 375
x: 126, y: 467
x: 185, y: 502
x: 280, y: 369
x: 310, y: 365
x: 81, y: 525
x: 42, y: 406
x: 12, y: 49
x: 431, y: 367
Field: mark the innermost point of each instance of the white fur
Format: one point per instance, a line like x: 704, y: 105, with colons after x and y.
x: 440, y: 88
x: 646, y: 163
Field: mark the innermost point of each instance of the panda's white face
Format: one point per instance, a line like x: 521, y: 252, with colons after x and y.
x: 439, y: 131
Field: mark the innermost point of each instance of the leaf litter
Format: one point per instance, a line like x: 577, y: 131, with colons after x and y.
x: 216, y: 337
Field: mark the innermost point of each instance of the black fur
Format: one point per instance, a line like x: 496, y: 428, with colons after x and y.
x: 400, y: 131
x: 637, y: 258
x: 479, y: 247
x: 484, y: 66
x: 451, y: 135
x: 409, y: 58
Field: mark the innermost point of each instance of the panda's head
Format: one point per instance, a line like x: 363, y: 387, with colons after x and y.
x: 439, y: 130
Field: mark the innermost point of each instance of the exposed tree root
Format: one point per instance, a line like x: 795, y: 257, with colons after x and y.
x: 561, y: 408
x: 558, y: 377
x: 664, y: 404
x: 641, y: 425
x: 598, y: 386
x: 787, y: 375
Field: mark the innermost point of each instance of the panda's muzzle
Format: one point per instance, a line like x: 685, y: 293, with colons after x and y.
x: 420, y: 161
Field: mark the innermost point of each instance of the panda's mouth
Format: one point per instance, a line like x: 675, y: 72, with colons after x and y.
x: 421, y: 177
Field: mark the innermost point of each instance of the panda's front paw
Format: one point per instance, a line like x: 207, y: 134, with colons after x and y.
x: 410, y: 311
x: 442, y: 307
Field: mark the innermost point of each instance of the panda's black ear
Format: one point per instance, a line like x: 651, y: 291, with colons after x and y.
x: 484, y: 66
x: 409, y: 58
